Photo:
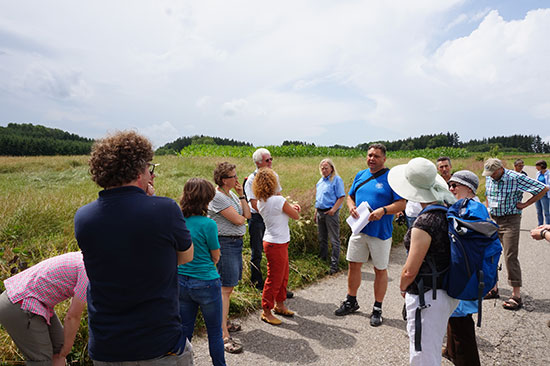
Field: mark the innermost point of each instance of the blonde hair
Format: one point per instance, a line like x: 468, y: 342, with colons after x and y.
x: 329, y: 162
x: 265, y: 184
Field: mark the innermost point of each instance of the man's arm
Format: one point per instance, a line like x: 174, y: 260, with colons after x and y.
x: 533, y: 199
x: 395, y: 207
x: 336, y: 206
x: 351, y: 207
x: 186, y: 256
x: 70, y: 327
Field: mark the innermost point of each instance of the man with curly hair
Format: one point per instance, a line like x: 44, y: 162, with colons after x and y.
x: 132, y: 243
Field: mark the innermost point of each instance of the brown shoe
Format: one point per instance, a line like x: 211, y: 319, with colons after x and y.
x: 273, y: 321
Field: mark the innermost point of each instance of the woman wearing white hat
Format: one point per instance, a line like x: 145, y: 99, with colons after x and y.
x: 418, y: 181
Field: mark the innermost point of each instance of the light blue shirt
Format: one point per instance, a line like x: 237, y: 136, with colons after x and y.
x: 328, y: 192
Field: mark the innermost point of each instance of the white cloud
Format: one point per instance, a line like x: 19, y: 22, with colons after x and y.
x: 160, y: 133
x: 351, y: 71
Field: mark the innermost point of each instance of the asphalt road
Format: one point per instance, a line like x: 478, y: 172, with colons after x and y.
x: 315, y: 336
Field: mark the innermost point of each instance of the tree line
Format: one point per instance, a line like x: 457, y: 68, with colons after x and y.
x: 29, y: 140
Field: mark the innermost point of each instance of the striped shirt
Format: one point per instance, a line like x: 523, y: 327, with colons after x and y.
x: 504, y: 194
x: 219, y: 203
x: 39, y: 288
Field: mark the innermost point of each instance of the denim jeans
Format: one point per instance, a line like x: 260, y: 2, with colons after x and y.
x: 543, y: 208
x: 230, y: 265
x: 206, y: 295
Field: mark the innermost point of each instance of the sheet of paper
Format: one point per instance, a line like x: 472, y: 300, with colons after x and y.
x: 357, y: 225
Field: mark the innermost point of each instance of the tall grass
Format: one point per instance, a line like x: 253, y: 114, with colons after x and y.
x: 40, y: 195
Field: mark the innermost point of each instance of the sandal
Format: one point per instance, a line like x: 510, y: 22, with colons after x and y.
x: 233, y: 327
x: 231, y: 345
x: 493, y: 294
x: 513, y: 303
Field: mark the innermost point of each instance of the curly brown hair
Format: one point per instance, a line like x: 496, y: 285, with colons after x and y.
x: 197, y: 194
x: 120, y: 158
x: 222, y: 171
x: 265, y: 184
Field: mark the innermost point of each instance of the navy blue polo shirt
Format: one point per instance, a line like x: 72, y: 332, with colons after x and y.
x: 129, y: 242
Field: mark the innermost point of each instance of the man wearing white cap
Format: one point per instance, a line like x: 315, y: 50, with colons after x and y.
x: 503, y: 189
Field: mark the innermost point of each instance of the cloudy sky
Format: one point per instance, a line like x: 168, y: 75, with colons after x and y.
x: 327, y: 72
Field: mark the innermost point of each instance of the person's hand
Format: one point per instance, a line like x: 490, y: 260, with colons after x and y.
x: 331, y: 212
x: 315, y: 216
x: 238, y: 188
x: 376, y: 214
x: 150, y: 189
x: 58, y: 360
x: 297, y: 207
x: 521, y: 205
x: 536, y: 232
x: 353, y: 212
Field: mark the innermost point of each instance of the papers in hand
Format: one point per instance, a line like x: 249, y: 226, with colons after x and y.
x: 357, y: 225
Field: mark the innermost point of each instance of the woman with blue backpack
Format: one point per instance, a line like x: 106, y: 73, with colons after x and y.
x: 428, y: 305
x: 461, y: 347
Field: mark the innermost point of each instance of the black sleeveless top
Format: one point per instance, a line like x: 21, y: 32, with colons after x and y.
x: 435, y: 224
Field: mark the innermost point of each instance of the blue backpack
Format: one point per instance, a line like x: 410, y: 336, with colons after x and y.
x: 475, y: 252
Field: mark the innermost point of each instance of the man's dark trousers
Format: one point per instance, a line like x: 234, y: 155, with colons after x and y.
x: 256, y: 229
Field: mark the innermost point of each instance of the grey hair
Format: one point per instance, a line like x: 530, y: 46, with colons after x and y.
x: 329, y: 162
x: 258, y: 155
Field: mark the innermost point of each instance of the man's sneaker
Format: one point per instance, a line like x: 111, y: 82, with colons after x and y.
x: 346, y: 308
x: 376, y: 318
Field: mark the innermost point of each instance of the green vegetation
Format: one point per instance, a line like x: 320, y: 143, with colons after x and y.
x: 40, y: 195
x: 29, y: 140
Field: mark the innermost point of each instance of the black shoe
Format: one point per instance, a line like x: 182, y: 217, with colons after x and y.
x: 259, y: 287
x: 346, y: 308
x: 376, y: 318
x: 334, y: 270
x: 289, y: 294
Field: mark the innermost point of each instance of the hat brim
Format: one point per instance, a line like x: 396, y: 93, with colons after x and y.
x: 399, y: 183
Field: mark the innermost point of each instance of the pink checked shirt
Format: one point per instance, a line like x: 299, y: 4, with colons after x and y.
x: 47, y: 283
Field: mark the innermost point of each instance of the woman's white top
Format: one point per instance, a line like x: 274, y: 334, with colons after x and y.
x: 275, y: 220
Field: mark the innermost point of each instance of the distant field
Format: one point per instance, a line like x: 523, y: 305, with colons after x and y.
x: 40, y: 195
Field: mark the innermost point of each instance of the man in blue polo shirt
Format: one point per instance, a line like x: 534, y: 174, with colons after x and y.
x: 132, y: 244
x: 371, y: 185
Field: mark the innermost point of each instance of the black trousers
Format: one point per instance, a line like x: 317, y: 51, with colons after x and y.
x: 461, y: 341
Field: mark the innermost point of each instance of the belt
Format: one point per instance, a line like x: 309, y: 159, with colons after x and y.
x: 324, y: 209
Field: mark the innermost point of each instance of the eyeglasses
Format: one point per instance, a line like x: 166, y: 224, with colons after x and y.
x: 454, y: 185
x: 152, y: 167
x: 231, y: 176
x: 268, y: 160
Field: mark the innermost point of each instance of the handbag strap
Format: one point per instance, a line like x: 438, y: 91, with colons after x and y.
x: 374, y: 176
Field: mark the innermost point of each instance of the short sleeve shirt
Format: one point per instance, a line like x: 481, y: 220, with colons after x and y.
x: 204, y: 233
x: 47, y: 283
x: 130, y: 244
x: 377, y: 193
x: 220, y: 203
x: 504, y: 194
x: 435, y: 224
x: 328, y: 191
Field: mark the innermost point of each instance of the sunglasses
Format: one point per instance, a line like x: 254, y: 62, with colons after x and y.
x: 454, y: 185
x: 152, y: 167
x: 231, y: 176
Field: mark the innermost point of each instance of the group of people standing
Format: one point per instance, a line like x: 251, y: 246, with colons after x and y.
x: 147, y: 264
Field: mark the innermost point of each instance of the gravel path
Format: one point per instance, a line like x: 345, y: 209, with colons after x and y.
x: 315, y: 336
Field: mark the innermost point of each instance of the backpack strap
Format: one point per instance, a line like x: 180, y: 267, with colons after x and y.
x: 374, y: 176
x: 480, y: 288
x: 422, y: 303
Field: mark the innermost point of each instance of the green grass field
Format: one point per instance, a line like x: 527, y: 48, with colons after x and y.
x: 40, y: 195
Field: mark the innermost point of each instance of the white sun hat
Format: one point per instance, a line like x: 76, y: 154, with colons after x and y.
x: 418, y: 181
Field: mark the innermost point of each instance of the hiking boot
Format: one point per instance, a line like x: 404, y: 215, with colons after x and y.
x: 346, y: 308
x: 376, y: 318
